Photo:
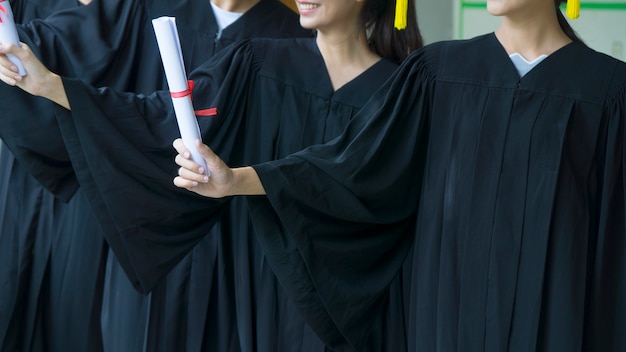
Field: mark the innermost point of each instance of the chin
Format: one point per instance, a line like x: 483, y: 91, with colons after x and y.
x: 494, y: 7
x: 306, y: 23
x: 494, y: 10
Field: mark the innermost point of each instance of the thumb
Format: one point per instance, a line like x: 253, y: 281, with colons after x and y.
x: 20, y: 51
x: 208, y: 155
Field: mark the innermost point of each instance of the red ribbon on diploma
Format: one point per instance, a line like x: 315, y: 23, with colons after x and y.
x: 186, y: 92
x: 2, y: 9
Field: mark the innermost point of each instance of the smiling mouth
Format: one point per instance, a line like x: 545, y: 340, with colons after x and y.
x: 307, y: 6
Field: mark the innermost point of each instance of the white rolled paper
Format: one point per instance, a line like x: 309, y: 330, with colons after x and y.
x: 8, y: 33
x: 172, y: 57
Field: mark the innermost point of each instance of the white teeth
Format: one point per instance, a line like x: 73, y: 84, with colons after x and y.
x: 308, y: 6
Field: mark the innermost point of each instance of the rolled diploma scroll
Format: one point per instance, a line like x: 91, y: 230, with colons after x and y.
x: 8, y: 33
x: 172, y: 57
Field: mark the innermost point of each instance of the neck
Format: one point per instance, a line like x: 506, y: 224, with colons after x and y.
x: 346, y: 55
x: 344, y: 48
x: 239, y: 6
x: 532, y: 35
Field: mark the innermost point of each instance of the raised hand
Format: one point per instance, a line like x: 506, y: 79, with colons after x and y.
x: 38, y: 81
x: 223, y: 181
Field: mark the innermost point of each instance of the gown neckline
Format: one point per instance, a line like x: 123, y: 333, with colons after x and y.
x: 546, y: 61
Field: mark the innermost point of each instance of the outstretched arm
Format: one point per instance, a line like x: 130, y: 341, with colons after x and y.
x: 39, y: 81
x: 222, y: 182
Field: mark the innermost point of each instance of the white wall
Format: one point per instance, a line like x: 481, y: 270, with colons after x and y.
x: 436, y: 19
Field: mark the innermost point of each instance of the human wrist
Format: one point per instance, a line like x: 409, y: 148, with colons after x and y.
x: 246, y: 182
x: 53, y: 89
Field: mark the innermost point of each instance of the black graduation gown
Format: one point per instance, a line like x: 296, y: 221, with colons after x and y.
x: 26, y: 231
x: 205, y: 318
x: 25, y: 11
x: 127, y: 59
x: 152, y: 230
x: 518, y: 186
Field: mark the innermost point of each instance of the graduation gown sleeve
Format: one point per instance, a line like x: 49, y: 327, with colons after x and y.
x: 606, y: 286
x: 341, y: 216
x: 26, y: 10
x: 120, y: 146
x: 28, y: 126
x: 92, y: 41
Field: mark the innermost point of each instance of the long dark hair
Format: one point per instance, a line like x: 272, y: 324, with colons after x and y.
x: 565, y: 26
x: 386, y: 41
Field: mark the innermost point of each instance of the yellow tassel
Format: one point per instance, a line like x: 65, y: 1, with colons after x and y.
x: 402, y: 7
x: 572, y: 10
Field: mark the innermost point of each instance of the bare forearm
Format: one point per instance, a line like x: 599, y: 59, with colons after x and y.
x: 54, y: 90
x: 38, y: 81
x: 246, y: 182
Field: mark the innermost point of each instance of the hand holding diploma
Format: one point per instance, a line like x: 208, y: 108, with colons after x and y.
x: 40, y: 81
x: 8, y: 33
x: 222, y: 182
x: 171, y: 55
